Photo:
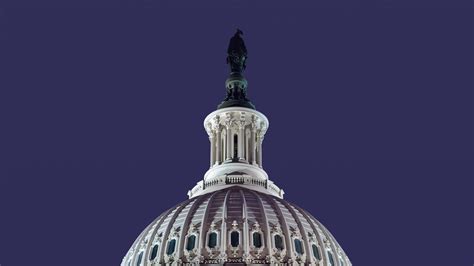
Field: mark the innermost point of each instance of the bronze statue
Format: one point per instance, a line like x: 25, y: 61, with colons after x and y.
x: 237, y: 53
x: 236, y: 84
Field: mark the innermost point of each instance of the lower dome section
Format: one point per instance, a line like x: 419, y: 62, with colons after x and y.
x: 235, y: 226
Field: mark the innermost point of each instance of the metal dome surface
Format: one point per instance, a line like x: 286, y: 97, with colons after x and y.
x: 239, y: 226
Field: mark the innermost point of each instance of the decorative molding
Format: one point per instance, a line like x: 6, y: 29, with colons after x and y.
x: 277, y: 255
x: 234, y: 251
x: 256, y: 252
x: 214, y: 252
x: 192, y: 256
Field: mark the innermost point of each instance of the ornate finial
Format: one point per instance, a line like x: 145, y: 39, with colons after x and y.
x: 237, y: 53
x: 235, y: 225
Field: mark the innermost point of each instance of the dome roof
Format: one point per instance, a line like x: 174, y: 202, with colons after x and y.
x: 235, y: 225
x: 236, y: 214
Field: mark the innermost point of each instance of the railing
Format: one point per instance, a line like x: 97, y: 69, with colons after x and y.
x: 236, y: 179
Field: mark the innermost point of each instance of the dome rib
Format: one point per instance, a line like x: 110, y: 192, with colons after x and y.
x: 223, y: 245
x: 168, y: 229
x: 202, y: 239
x: 301, y: 228
x: 336, y: 248
x: 316, y: 233
x: 131, y: 257
x: 187, y: 222
x: 157, y: 227
x: 283, y: 223
x: 265, y: 222
x: 245, y: 222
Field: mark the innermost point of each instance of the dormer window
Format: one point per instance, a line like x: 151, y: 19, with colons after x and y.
x: 154, y: 252
x: 212, y: 242
x: 191, y: 242
x: 316, y: 253
x: 257, y: 239
x: 278, y: 242
x: 171, y: 247
x: 234, y: 239
x: 298, y: 246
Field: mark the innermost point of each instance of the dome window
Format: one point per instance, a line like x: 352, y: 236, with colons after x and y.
x: 257, y: 240
x: 234, y: 239
x: 212, y: 243
x: 140, y: 257
x: 298, y: 246
x: 278, y: 242
x: 154, y: 252
x: 316, y: 253
x: 331, y: 259
x: 191, y: 242
x: 171, y: 247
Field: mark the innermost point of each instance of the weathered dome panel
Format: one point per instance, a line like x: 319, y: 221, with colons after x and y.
x: 235, y: 225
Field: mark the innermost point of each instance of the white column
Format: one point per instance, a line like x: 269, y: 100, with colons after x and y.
x: 241, y: 138
x: 212, y: 139
x: 241, y: 141
x: 247, y: 144
x: 219, y: 145
x: 228, y: 124
x: 223, y: 238
x: 259, y: 141
x: 252, y: 144
x: 229, y: 143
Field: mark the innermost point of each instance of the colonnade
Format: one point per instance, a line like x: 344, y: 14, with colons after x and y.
x: 236, y: 137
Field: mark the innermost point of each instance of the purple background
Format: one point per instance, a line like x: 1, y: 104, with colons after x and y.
x: 370, y: 110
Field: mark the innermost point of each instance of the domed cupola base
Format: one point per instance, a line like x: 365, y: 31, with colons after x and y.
x: 236, y: 135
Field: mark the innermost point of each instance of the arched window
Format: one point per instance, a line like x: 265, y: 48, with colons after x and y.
x: 316, y: 253
x: 278, y: 242
x: 191, y: 242
x: 154, y: 252
x: 139, y: 260
x: 331, y: 259
x: 257, y: 240
x: 236, y: 146
x: 298, y: 246
x: 234, y: 239
x: 171, y: 247
x: 212, y: 243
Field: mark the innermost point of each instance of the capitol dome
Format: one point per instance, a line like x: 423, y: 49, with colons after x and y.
x: 236, y: 215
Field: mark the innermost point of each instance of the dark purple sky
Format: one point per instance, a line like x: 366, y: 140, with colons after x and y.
x: 370, y: 109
